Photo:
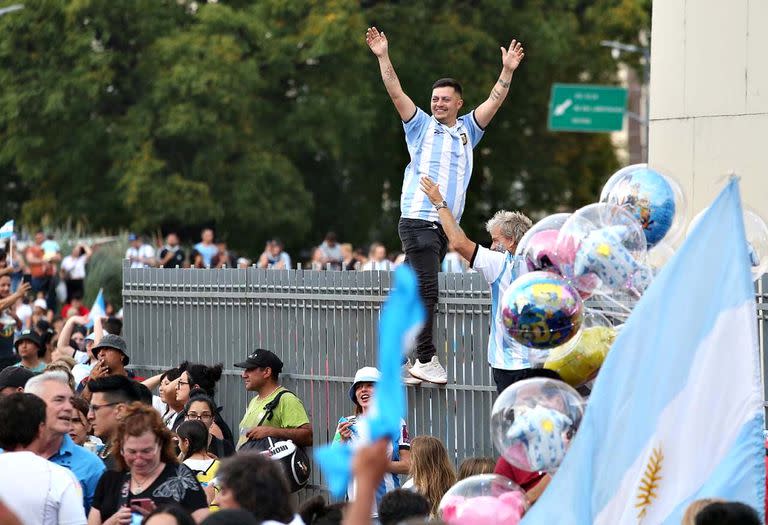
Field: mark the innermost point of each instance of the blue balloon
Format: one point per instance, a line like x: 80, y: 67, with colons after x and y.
x: 648, y: 195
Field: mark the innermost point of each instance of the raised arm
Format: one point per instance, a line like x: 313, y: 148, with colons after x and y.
x: 9, y: 301
x: 453, y: 231
x: 380, y: 47
x: 62, y: 345
x: 509, y: 62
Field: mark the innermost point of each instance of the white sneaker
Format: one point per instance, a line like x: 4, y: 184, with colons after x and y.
x: 408, y: 379
x: 432, y: 371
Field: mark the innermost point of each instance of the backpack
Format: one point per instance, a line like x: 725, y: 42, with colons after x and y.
x: 292, y: 458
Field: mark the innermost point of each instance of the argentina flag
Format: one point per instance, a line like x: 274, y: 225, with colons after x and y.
x: 6, y: 230
x: 677, y: 411
x: 98, y: 309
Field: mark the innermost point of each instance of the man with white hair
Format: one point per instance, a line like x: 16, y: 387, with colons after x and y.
x: 57, y: 446
x: 509, y: 361
x: 35, y: 490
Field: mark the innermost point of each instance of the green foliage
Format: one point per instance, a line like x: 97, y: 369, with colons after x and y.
x: 105, y: 270
x: 269, y: 118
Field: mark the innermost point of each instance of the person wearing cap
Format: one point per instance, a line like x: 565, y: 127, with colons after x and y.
x: 140, y: 255
x: 111, y: 352
x: 57, y: 446
x: 13, y: 379
x: 29, y: 347
x: 361, y: 393
x: 289, y: 419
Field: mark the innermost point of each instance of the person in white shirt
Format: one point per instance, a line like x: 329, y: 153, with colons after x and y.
x: 141, y: 255
x: 73, y: 271
x: 377, y: 258
x: 35, y: 489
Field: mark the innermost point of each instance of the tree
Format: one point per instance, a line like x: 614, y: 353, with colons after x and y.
x: 268, y: 118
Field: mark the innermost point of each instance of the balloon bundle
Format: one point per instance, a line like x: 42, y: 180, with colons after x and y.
x: 589, y: 268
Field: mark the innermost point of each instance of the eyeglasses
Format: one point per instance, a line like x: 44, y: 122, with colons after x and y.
x: 205, y: 416
x: 183, y: 383
x: 96, y: 408
x: 128, y: 453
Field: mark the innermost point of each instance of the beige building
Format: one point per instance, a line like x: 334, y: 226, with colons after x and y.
x: 709, y: 97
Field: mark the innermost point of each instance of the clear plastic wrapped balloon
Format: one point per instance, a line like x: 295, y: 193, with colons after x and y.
x: 540, y: 310
x: 579, y: 363
x: 756, y: 231
x: 601, y: 248
x: 485, y: 499
x: 533, y: 422
x: 537, y: 247
x: 655, y: 200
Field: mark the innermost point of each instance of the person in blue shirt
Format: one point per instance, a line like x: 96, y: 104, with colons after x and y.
x: 440, y: 147
x: 206, y: 247
x: 53, y: 388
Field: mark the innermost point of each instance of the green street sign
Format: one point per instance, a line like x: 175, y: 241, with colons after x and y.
x: 584, y: 107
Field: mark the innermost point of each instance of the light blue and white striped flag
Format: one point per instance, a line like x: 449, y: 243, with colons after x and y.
x: 98, y: 309
x: 6, y: 230
x: 676, y: 413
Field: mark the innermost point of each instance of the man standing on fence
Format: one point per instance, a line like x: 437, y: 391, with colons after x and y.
x: 509, y: 361
x: 287, y: 419
x: 440, y: 147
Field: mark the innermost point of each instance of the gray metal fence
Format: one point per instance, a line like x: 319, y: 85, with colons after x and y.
x: 323, y: 324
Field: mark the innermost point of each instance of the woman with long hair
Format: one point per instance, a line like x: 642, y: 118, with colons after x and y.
x: 149, y: 474
x: 195, y: 375
x: 432, y: 473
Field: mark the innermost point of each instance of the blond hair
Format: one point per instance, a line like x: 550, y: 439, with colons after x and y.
x: 431, y: 470
x: 689, y: 518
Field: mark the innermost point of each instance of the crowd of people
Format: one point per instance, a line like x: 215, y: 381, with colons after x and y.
x: 115, y: 448
x: 86, y: 440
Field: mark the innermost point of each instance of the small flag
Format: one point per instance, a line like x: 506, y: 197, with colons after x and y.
x: 676, y: 413
x: 6, y: 230
x: 98, y: 309
x: 401, y: 320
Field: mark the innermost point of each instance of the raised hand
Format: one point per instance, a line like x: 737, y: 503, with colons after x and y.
x: 512, y: 58
x: 376, y: 41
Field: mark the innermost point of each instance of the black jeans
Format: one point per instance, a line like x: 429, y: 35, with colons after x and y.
x: 425, y: 245
x: 504, y: 378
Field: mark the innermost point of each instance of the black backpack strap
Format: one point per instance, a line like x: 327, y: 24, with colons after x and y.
x: 270, y: 407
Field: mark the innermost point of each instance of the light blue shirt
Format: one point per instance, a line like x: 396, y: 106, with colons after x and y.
x: 444, y: 155
x: 86, y: 466
x: 207, y: 252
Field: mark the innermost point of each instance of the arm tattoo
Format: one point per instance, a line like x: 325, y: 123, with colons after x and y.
x: 503, y: 84
x: 389, y: 73
x: 495, y: 95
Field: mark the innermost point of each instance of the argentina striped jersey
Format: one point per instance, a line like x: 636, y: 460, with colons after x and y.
x: 444, y: 155
x: 499, y: 270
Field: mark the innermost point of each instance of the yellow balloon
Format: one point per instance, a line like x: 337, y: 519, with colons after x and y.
x: 578, y: 364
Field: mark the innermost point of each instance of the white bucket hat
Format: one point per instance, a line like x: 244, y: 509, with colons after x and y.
x: 367, y: 374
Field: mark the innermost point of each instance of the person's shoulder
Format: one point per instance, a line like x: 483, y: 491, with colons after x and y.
x: 86, y: 457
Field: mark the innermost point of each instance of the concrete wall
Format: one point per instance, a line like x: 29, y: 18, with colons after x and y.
x: 709, y: 97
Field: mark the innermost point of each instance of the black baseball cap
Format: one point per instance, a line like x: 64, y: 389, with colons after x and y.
x: 28, y: 335
x: 15, y: 376
x: 261, y: 358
